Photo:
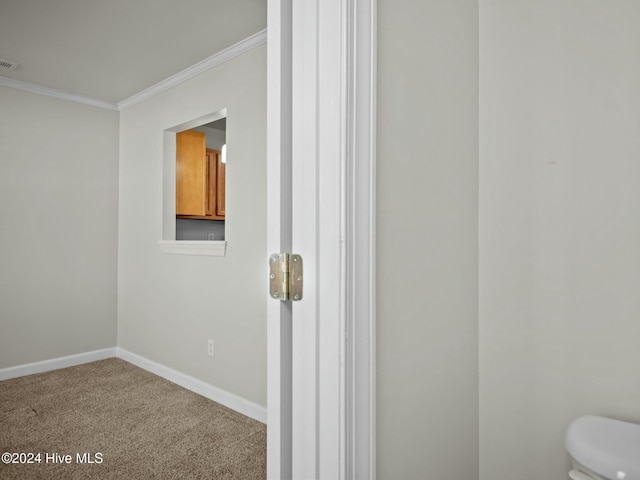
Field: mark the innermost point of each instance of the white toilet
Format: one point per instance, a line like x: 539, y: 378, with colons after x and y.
x: 603, y: 449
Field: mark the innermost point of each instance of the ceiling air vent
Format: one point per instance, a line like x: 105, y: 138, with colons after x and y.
x: 7, y: 65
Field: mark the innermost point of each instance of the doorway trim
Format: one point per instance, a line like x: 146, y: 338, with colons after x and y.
x: 279, y: 205
x: 321, y: 133
x: 361, y: 234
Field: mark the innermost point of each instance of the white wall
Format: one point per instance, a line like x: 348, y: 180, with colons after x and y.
x: 169, y: 305
x: 58, y: 205
x: 427, y: 201
x: 559, y: 226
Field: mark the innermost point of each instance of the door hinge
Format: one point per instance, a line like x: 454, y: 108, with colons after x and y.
x: 285, y: 277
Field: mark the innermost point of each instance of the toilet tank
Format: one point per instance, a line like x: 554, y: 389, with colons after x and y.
x: 610, y: 448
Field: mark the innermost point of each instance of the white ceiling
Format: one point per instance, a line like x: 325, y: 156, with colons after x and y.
x: 110, y: 50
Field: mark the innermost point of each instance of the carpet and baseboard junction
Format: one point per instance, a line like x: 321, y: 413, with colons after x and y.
x: 110, y: 419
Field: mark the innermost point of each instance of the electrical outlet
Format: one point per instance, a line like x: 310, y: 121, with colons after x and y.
x: 210, y: 348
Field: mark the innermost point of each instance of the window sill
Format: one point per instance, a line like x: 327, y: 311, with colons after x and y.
x: 214, y: 248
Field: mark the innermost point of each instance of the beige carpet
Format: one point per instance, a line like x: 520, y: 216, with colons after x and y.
x: 142, y: 426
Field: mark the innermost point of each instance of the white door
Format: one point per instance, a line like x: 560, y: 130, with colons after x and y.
x: 320, y: 205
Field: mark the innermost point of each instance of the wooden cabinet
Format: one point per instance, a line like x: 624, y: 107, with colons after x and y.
x: 200, y: 178
x: 216, y: 175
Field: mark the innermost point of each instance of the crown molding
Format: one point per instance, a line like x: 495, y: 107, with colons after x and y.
x: 52, y: 92
x: 214, y: 60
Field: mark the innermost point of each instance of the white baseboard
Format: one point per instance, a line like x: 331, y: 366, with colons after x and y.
x: 56, y: 363
x: 230, y: 400
x: 234, y: 402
